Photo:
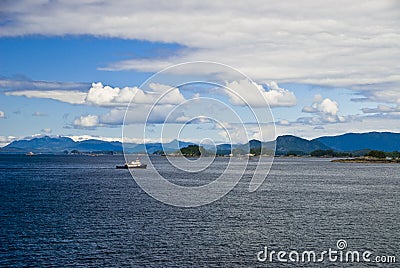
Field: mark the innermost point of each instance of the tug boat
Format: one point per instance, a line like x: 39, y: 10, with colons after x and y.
x: 133, y: 164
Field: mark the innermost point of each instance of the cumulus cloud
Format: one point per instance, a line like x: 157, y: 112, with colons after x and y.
x: 245, y: 91
x: 325, y: 110
x: 100, y: 95
x: 2, y: 114
x: 324, y: 106
x: 109, y: 96
x: 142, y: 108
x: 103, y: 95
x: 277, y: 96
x: 88, y: 121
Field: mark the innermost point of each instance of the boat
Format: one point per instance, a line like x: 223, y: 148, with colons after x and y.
x: 133, y: 164
x: 30, y: 154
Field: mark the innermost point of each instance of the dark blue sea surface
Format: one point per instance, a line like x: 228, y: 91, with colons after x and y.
x: 59, y: 211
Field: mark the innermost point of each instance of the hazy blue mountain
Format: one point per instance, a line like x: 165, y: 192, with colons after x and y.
x: 384, y: 141
x: 43, y: 145
x: 150, y: 148
x: 97, y: 145
x: 288, y: 143
x: 177, y: 144
x: 284, y: 145
x: 48, y: 144
x: 252, y: 144
x: 223, y: 149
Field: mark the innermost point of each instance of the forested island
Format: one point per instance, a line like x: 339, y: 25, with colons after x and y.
x: 373, y: 156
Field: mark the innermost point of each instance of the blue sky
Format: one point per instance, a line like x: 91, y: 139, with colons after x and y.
x: 325, y: 68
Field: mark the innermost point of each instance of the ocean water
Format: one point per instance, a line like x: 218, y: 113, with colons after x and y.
x: 60, y: 211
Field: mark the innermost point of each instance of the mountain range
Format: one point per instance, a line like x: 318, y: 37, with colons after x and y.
x: 384, y: 141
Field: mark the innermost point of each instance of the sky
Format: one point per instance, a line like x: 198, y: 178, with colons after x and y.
x: 308, y: 68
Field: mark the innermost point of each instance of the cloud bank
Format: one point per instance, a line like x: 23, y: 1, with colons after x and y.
x: 335, y: 43
x: 72, y: 97
x: 382, y: 109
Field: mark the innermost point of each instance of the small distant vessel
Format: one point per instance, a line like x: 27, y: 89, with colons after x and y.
x: 30, y: 154
x: 133, y: 164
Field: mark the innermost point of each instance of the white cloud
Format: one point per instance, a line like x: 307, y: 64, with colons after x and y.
x: 325, y: 110
x: 165, y: 97
x: 331, y: 42
x: 355, y: 125
x: 2, y: 114
x: 283, y: 122
x: 328, y: 106
x: 242, y: 133
x: 88, y: 121
x: 324, y: 106
x: 91, y: 137
x: 47, y: 130
x: 100, y: 95
x: 256, y: 96
x: 120, y: 139
x: 68, y: 92
x: 4, y: 140
x: 72, y: 97
x: 308, y: 109
x: 324, y: 119
x: 386, y: 95
x: 141, y: 113
x: 38, y: 114
x: 382, y: 109
x: 277, y: 96
x: 24, y: 84
x: 172, y: 97
x: 108, y: 96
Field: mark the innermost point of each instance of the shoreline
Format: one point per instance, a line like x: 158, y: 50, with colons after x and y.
x: 367, y: 160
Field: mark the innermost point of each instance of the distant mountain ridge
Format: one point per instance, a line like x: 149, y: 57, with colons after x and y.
x: 287, y: 144
x: 383, y: 141
x: 60, y: 144
x: 48, y: 144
